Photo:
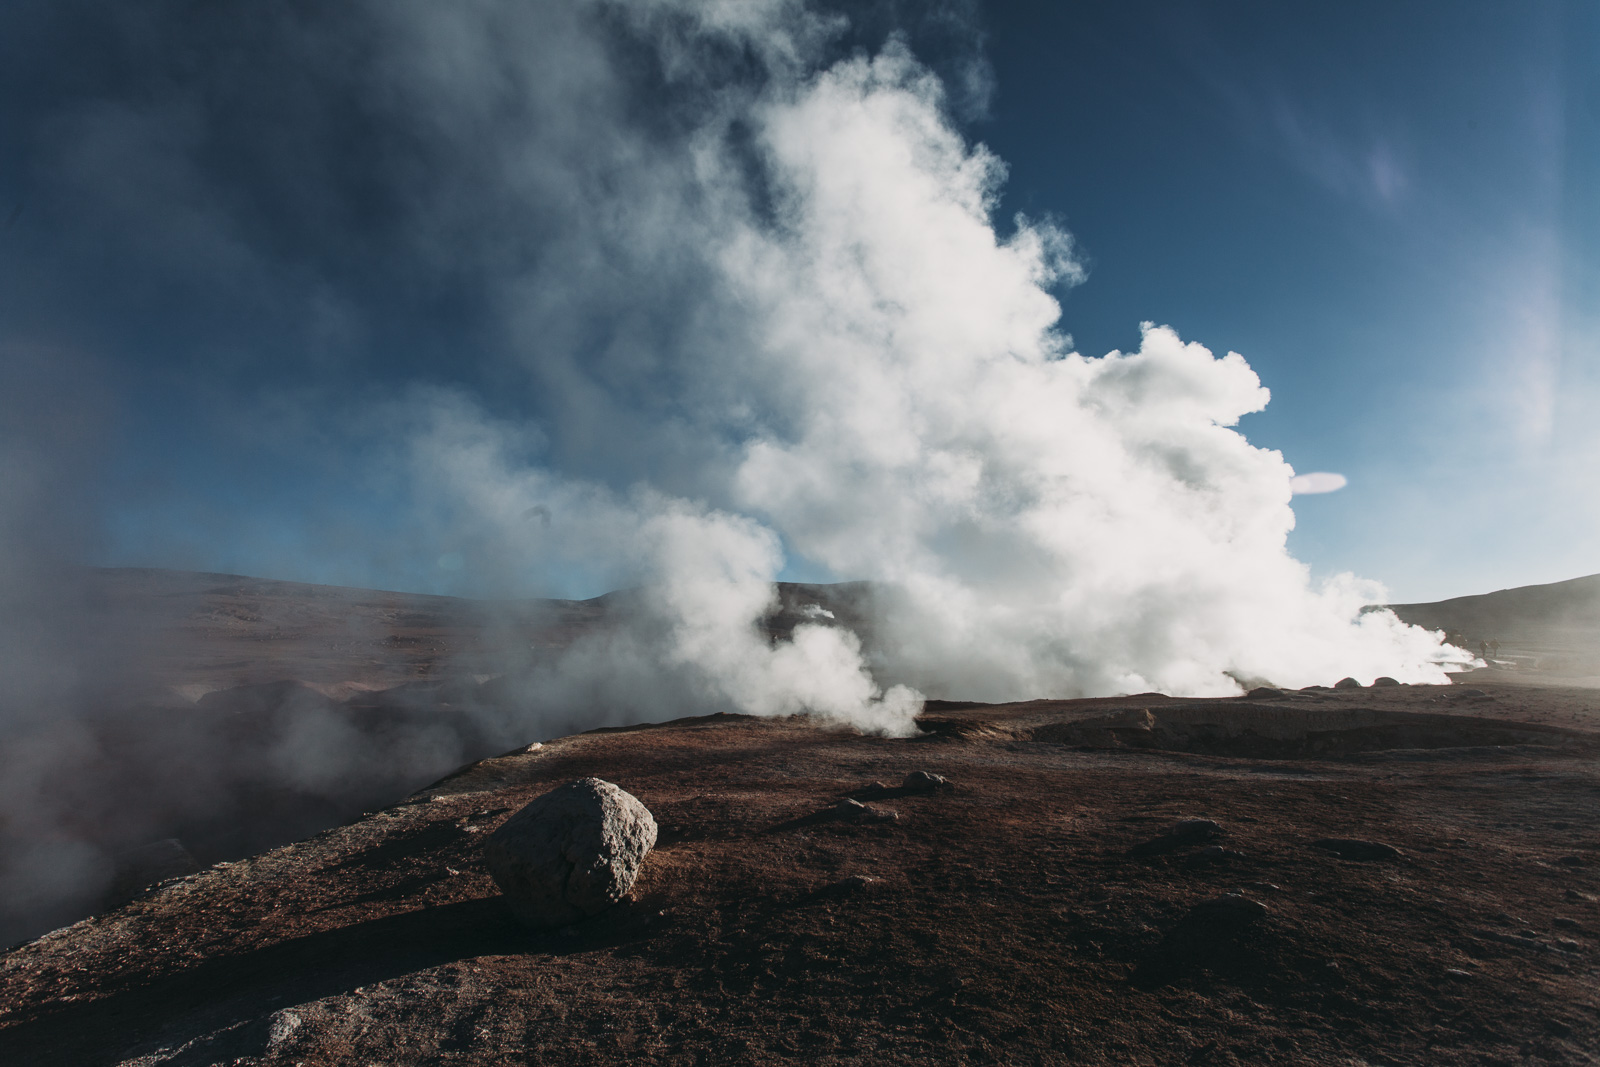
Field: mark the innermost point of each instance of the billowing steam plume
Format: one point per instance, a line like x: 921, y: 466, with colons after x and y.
x: 724, y: 299
x: 866, y: 375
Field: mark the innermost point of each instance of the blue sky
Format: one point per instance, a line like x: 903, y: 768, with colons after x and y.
x: 1388, y: 208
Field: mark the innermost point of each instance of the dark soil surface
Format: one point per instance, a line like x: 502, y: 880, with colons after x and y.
x: 1024, y: 916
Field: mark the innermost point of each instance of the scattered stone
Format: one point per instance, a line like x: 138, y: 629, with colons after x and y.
x: 1178, y: 835
x: 854, y: 883
x: 1212, y: 854
x: 536, y: 746
x: 571, y: 853
x: 149, y: 864
x: 1190, y: 830
x: 1384, y: 680
x: 282, y: 1028
x: 1347, y: 683
x: 1571, y: 861
x: 1577, y: 897
x: 1457, y: 972
x: 925, y: 782
x: 1265, y: 692
x: 848, y: 810
x: 482, y: 815
x: 1350, y: 848
x: 1565, y: 923
x: 1473, y: 694
x: 1568, y: 944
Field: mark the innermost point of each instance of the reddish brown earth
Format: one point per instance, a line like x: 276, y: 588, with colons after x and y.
x: 1004, y: 921
x: 219, y: 716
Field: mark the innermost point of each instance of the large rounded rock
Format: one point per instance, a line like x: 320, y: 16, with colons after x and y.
x: 572, y: 853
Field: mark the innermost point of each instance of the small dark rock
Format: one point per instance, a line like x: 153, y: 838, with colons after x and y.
x: 1179, y: 834
x: 1571, y: 861
x: 1228, y: 910
x: 1188, y: 830
x: 1213, y: 854
x: 925, y: 782
x: 1349, y: 848
x: 1565, y: 923
x: 1384, y: 680
x: 848, y: 810
x: 1265, y: 692
x: 1347, y: 683
x: 854, y: 883
x: 1215, y: 932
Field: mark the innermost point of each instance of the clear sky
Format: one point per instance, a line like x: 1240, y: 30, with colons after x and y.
x: 1389, y: 208
x: 225, y: 260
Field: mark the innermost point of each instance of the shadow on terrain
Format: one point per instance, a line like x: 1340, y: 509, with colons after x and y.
x: 221, y: 1008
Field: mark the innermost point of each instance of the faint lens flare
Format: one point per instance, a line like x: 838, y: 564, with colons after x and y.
x: 1317, y: 482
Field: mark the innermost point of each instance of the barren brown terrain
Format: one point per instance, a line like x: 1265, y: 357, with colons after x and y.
x: 227, y: 715
x: 1034, y: 913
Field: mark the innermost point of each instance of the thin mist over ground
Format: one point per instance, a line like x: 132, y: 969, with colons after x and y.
x: 247, y: 713
x: 730, y: 303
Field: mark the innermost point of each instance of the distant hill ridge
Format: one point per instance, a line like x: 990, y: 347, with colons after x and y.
x: 1560, y: 616
x: 240, y: 629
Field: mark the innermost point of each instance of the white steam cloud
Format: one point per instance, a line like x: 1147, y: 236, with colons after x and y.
x: 873, y: 380
x: 731, y: 303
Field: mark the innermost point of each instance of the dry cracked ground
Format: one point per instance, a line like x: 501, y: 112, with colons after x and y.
x: 1038, y: 912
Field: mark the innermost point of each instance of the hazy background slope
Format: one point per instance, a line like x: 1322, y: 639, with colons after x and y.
x: 1554, y: 627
